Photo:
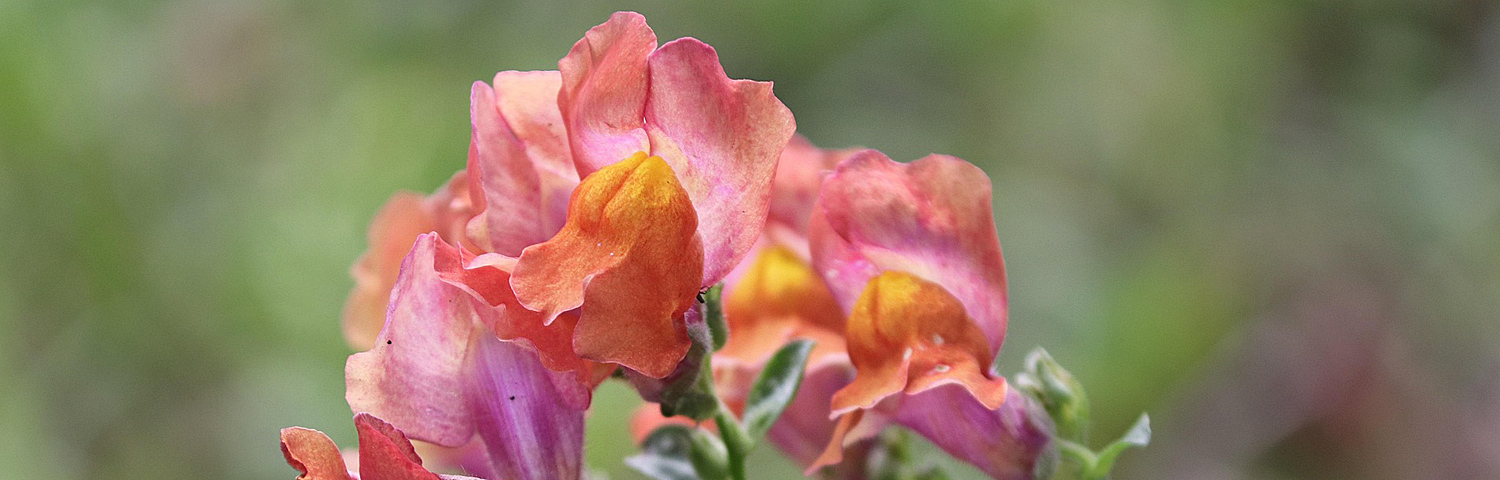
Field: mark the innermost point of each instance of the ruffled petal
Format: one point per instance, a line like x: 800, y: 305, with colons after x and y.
x: 518, y: 197
x: 439, y: 375
x: 487, y: 277
x: 603, y: 93
x: 723, y: 138
x: 851, y: 428
x: 629, y: 256
x: 1005, y: 443
x: 414, y: 376
x: 931, y: 218
x: 391, y: 235
x: 909, y: 335
x: 385, y: 453
x: 313, y: 454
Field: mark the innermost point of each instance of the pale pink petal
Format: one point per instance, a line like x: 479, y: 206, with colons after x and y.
x: 930, y: 218
x: 390, y: 236
x: 508, y: 187
x: 520, y: 159
x: 415, y: 374
x: 723, y: 138
x: 799, y: 173
x: 604, y: 91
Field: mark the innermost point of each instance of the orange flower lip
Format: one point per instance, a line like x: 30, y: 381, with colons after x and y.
x: 780, y: 298
x: 630, y: 256
x: 910, y: 335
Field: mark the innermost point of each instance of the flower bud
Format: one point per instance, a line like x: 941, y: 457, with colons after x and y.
x: 1058, y: 392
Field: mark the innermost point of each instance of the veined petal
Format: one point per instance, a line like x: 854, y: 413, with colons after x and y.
x: 395, y: 227
x: 487, y: 277
x: 930, y: 218
x: 413, y: 373
x: 530, y: 428
x: 528, y: 103
x: 723, y: 138
x: 629, y: 256
x: 313, y: 454
x: 910, y: 335
x: 1005, y: 443
x: 603, y: 97
x: 438, y: 374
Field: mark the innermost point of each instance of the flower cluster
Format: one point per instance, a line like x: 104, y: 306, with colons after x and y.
x: 599, y: 203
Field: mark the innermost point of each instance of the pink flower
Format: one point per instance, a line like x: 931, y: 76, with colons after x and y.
x: 910, y: 252
x: 597, y: 201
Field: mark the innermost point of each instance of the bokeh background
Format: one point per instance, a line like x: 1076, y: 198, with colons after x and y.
x: 1274, y: 225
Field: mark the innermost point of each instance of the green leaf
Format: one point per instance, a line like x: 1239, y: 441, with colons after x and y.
x: 710, y: 458
x: 775, y: 387
x: 1139, y: 435
x: 666, y: 454
x: 713, y: 315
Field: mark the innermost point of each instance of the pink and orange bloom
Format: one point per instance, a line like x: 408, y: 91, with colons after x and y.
x: 598, y: 200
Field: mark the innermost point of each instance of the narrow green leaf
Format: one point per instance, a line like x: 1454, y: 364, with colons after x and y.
x: 775, y: 387
x: 1139, y: 435
x: 710, y: 458
x: 666, y: 454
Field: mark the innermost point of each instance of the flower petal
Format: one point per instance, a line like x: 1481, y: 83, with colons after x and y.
x: 799, y: 173
x: 931, y: 218
x: 780, y: 298
x: 487, y: 277
x: 391, y: 235
x: 629, y: 255
x: 507, y: 188
x: 440, y: 376
x: 909, y: 335
x: 604, y: 91
x: 385, y: 453
x: 805, y: 428
x: 723, y: 138
x: 313, y: 454
x: 414, y: 375
x: 529, y: 426
x: 1005, y: 443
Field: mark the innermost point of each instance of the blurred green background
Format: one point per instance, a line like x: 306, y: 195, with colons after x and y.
x: 1274, y: 225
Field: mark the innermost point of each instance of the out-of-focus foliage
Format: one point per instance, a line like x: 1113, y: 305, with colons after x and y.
x: 1273, y: 225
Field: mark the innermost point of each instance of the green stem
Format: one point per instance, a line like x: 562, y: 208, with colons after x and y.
x: 1082, y: 455
x: 735, y: 441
